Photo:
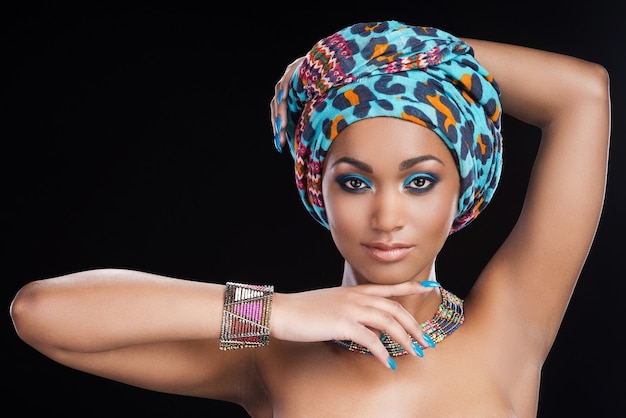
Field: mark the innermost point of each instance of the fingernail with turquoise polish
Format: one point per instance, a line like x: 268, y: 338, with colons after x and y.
x: 279, y: 99
x: 429, y: 340
x: 418, y: 350
x: 277, y: 142
x: 277, y: 135
x: 430, y: 283
x: 392, y: 363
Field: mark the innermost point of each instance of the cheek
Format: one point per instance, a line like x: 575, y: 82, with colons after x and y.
x: 432, y: 215
x: 346, y: 218
x: 435, y: 219
x: 344, y: 215
x: 437, y: 216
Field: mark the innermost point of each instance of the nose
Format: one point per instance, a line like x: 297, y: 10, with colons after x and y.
x: 388, y: 210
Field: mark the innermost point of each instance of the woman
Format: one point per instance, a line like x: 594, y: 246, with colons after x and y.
x: 395, y: 131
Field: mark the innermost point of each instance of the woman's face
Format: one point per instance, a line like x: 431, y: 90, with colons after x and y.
x: 390, y: 189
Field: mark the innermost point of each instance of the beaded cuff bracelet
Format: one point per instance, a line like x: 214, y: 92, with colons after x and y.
x: 246, y: 316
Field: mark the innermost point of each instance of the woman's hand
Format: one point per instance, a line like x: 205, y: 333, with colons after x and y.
x: 278, y: 105
x: 357, y: 313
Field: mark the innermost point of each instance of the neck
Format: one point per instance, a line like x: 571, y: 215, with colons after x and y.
x: 421, y: 306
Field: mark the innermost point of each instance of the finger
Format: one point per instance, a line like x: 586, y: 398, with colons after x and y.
x: 400, y: 289
x: 406, y: 320
x: 274, y: 104
x: 281, y: 111
x: 279, y: 104
x: 371, y: 340
x: 392, y: 318
x: 278, y: 114
x: 275, y: 118
x: 282, y: 105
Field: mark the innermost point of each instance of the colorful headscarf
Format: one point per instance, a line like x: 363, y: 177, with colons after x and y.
x: 420, y: 74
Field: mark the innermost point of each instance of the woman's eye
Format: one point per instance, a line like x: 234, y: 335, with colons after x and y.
x: 353, y: 183
x: 420, y: 182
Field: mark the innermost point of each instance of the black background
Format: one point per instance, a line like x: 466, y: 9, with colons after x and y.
x: 137, y: 135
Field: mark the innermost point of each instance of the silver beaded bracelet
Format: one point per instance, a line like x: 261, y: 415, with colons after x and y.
x: 246, y: 316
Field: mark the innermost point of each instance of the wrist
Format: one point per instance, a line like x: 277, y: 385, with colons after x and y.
x: 246, y: 316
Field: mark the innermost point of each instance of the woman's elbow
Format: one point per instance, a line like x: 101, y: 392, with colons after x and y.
x: 26, y: 313
x: 597, y: 81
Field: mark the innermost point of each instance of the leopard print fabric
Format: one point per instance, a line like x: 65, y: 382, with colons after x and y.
x: 420, y: 74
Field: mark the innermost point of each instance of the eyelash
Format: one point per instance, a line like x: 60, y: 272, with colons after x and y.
x: 428, y: 182
x: 347, y: 183
x: 354, y: 183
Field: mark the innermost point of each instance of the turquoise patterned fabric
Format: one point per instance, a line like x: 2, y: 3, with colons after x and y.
x: 420, y: 74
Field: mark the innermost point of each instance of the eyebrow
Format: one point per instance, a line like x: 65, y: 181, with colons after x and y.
x: 413, y: 161
x: 404, y: 165
x: 357, y: 163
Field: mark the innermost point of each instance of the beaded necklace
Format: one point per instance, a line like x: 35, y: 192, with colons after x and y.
x: 447, y: 319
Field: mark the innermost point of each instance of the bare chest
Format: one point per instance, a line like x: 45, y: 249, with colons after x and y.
x: 322, y: 379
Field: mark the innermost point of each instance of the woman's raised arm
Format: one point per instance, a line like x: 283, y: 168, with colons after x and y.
x: 568, y: 99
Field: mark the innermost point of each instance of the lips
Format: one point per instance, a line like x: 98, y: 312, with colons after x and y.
x: 388, y: 253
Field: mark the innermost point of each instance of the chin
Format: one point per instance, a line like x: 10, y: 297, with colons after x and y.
x: 385, y: 277
x: 386, y: 273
